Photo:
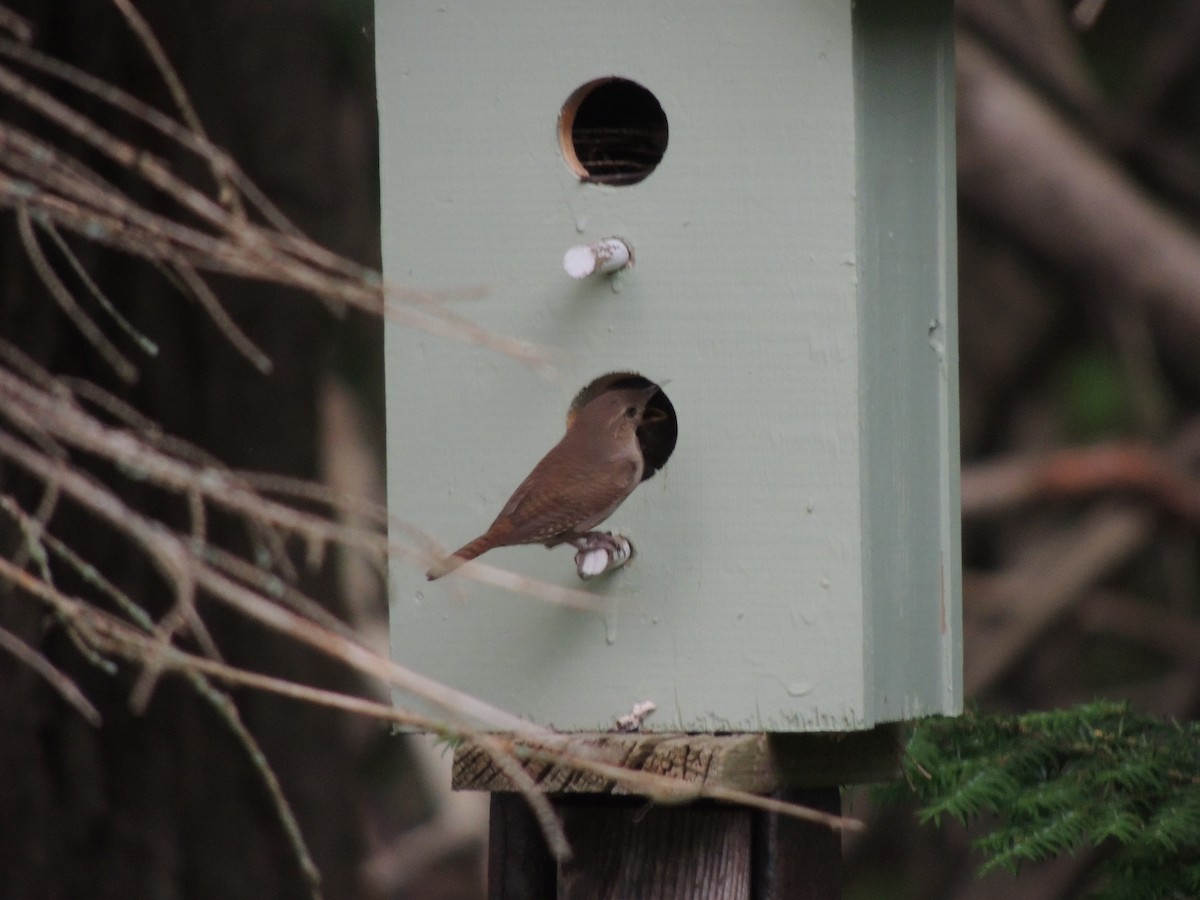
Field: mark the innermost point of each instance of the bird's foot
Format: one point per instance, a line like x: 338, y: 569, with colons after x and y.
x: 599, y: 552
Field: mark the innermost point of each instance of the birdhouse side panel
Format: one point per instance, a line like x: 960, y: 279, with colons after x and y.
x: 904, y: 70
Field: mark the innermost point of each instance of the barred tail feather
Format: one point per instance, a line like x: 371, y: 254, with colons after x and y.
x: 465, y: 554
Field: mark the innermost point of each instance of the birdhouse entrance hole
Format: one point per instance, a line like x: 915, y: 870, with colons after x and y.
x: 612, y: 131
x: 656, y: 439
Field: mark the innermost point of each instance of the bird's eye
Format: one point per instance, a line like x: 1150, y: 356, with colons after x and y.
x: 631, y: 412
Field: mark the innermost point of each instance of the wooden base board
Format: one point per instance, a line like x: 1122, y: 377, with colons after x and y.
x: 759, y: 763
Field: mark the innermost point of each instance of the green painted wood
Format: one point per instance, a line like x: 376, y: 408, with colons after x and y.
x: 907, y: 295
x: 798, y: 551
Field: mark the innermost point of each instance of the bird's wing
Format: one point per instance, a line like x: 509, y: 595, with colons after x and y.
x: 568, y: 501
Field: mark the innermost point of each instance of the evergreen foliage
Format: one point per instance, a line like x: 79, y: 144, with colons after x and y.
x: 1098, y: 775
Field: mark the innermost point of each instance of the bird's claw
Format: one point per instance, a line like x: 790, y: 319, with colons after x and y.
x: 599, y: 552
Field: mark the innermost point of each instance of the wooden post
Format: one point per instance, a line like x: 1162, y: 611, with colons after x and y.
x: 795, y: 859
x: 625, y: 846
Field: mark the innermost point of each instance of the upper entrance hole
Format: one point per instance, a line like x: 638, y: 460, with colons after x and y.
x: 612, y: 131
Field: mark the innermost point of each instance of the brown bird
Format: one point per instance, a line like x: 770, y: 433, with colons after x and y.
x: 577, y: 485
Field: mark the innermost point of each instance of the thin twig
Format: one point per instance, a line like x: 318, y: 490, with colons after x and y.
x: 170, y: 78
x: 147, y: 346
x: 55, y: 677
x: 17, y: 26
x: 125, y: 370
x: 228, y: 711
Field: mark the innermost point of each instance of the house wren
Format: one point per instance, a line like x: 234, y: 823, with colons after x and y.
x: 577, y: 485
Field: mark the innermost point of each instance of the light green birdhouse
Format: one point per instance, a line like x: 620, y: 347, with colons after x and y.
x: 784, y: 175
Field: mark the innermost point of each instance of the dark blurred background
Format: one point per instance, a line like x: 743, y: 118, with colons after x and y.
x: 1079, y: 291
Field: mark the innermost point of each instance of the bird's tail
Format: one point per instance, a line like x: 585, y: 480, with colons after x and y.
x: 465, y: 554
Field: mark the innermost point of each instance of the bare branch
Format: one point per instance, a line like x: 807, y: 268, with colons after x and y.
x: 56, y: 678
x: 1025, y: 168
x: 89, y: 329
x: 229, y: 196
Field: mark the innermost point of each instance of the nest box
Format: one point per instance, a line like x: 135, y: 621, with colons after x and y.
x: 783, y: 174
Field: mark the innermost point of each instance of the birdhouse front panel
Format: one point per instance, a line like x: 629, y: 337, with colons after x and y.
x: 795, y: 559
